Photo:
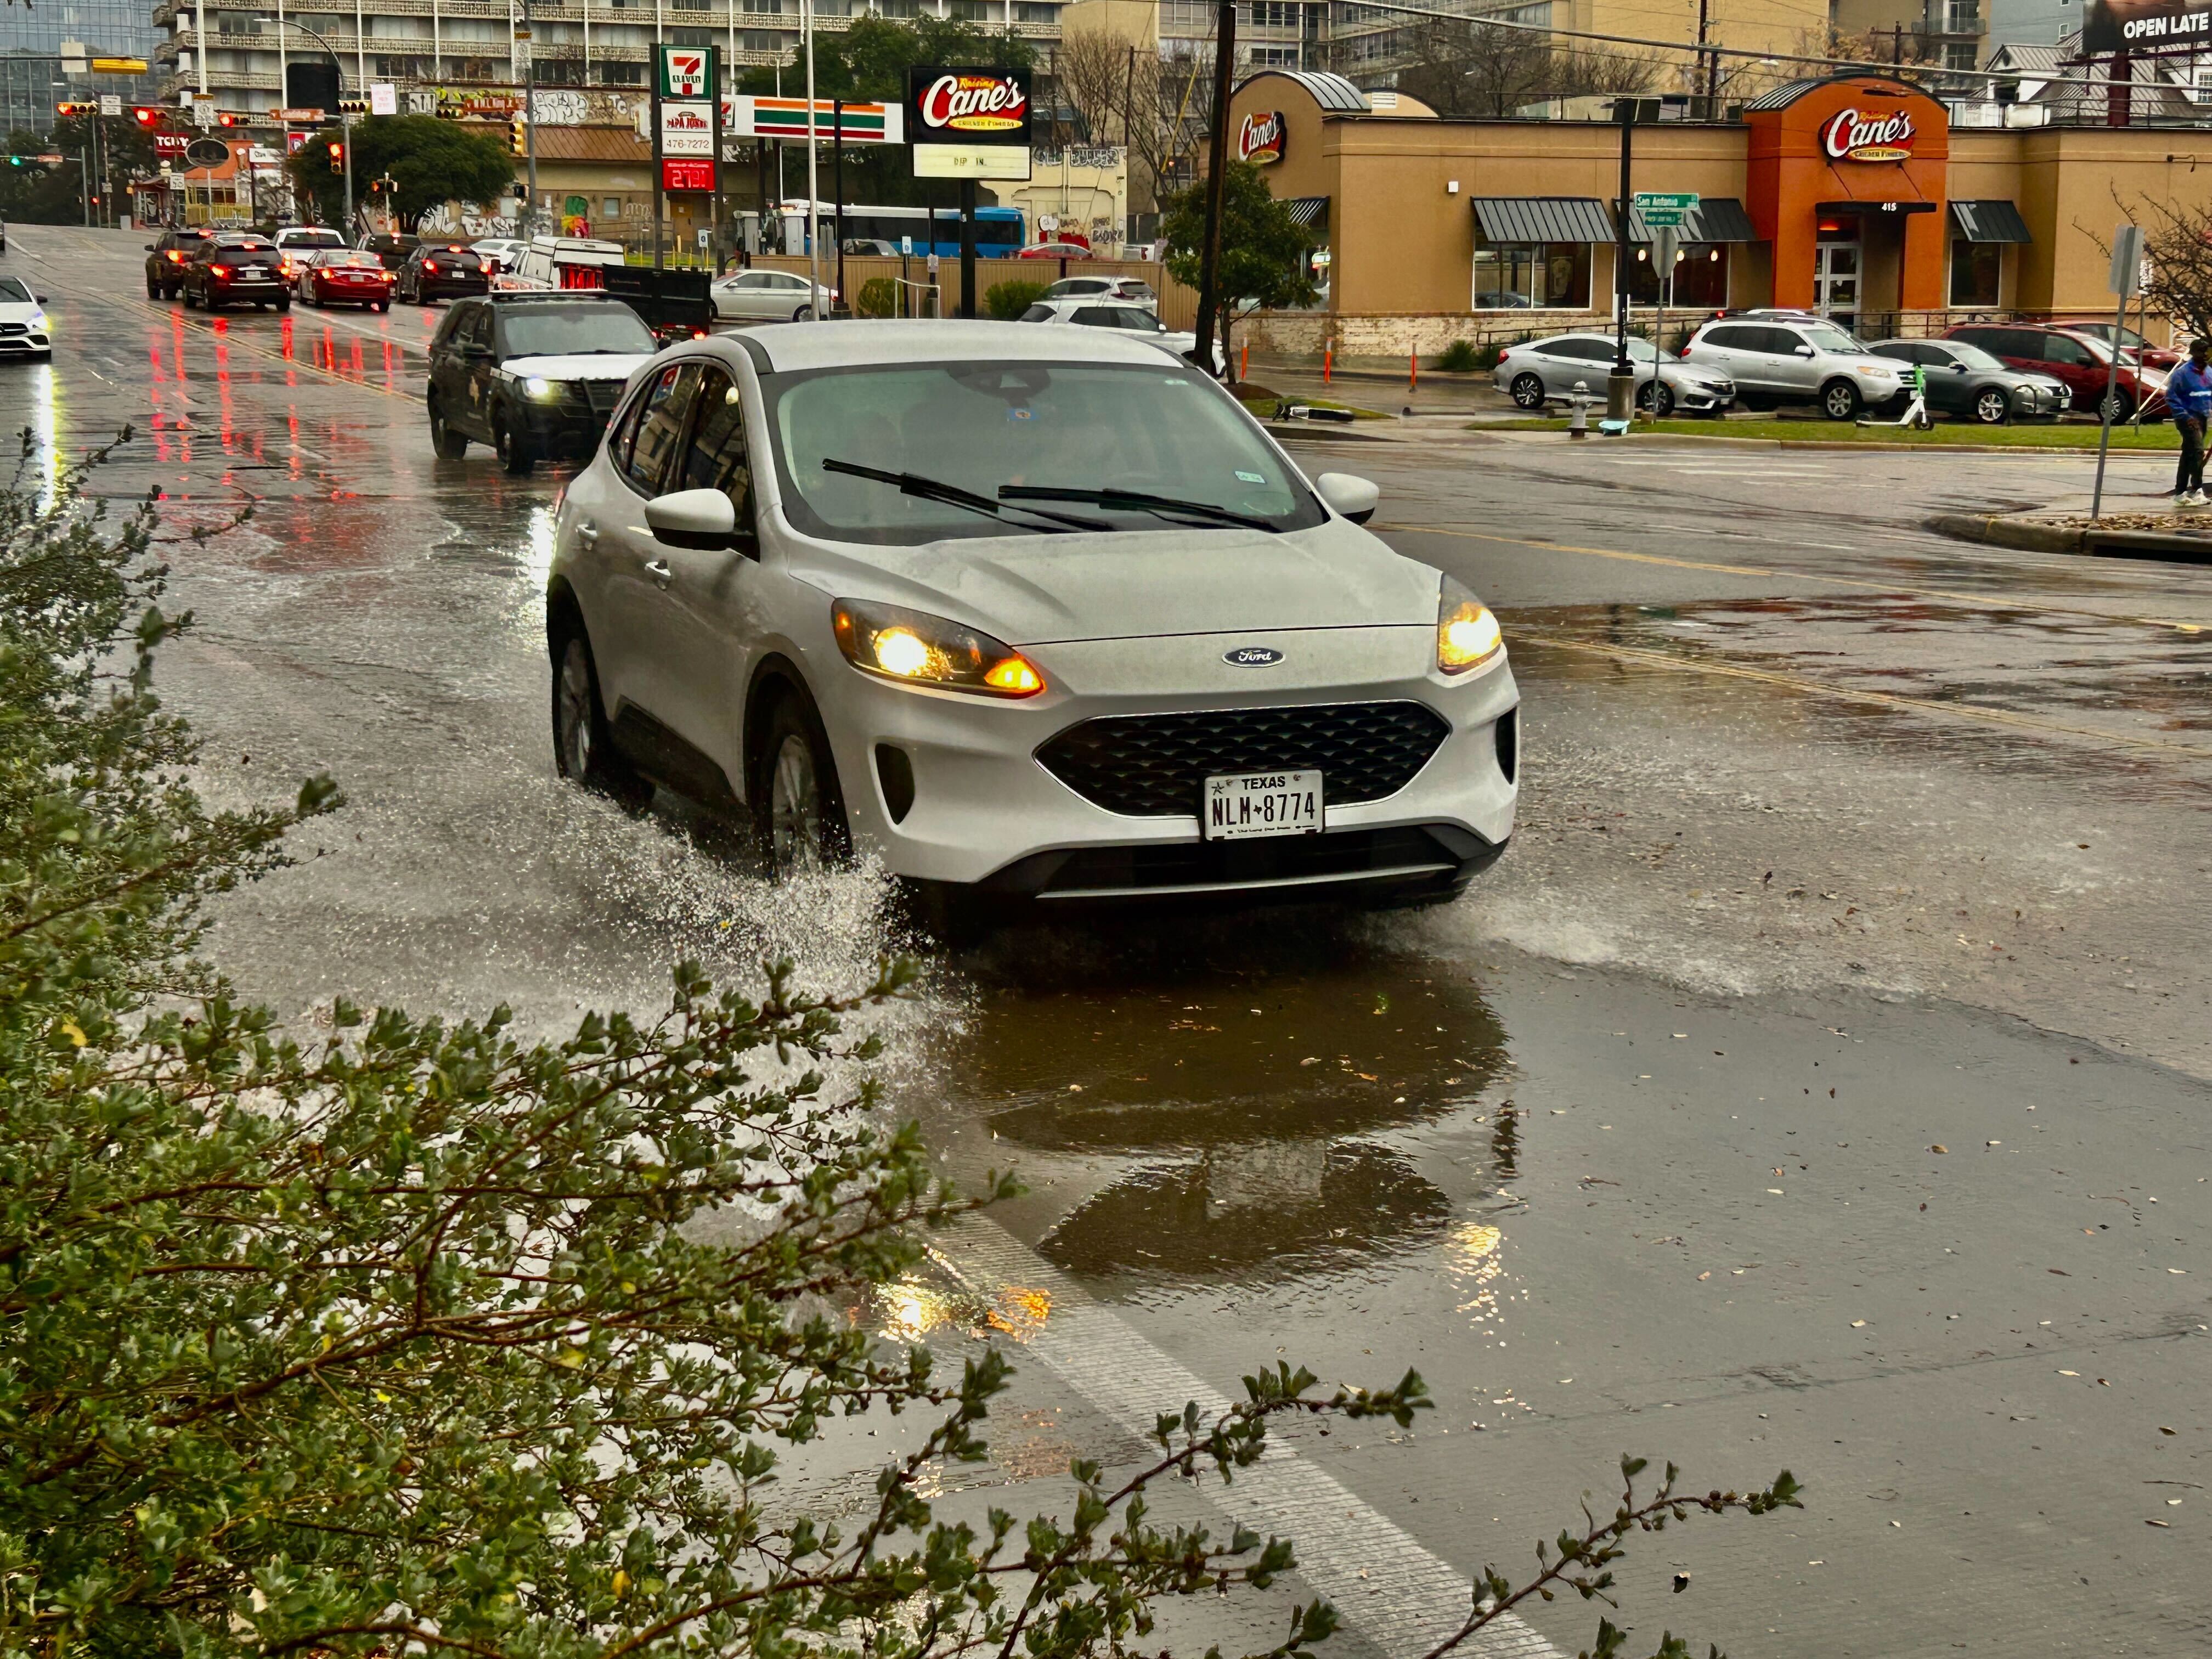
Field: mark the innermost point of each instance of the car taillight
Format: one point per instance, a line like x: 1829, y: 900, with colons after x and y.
x: 1503, y: 355
x: 429, y: 265
x: 175, y: 257
x: 485, y: 265
x: 218, y: 270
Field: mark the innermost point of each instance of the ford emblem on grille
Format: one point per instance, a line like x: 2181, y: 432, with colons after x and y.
x: 1252, y: 656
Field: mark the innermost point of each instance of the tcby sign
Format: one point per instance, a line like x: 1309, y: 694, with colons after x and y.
x: 1852, y: 136
x: 970, y: 106
x: 1260, y: 139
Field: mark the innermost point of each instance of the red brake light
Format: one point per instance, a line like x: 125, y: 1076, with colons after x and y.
x: 218, y: 270
x: 1503, y: 355
x: 485, y: 265
x: 176, y: 256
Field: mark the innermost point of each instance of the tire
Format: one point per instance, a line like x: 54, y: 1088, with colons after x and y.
x: 209, y: 303
x: 1527, y: 391
x: 797, y: 808
x: 383, y: 304
x: 1840, y: 401
x: 152, y: 289
x: 513, y: 452
x: 284, y: 304
x: 1666, y: 399
x: 583, y: 750
x: 1992, y: 406
x: 803, y: 314
x: 451, y: 446
x: 2121, y: 405
x: 187, y: 294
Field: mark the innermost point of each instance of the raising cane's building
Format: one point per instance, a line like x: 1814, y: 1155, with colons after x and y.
x: 1853, y: 196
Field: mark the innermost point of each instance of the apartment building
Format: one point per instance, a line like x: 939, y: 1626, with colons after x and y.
x: 1949, y: 33
x: 32, y: 78
x: 463, y: 53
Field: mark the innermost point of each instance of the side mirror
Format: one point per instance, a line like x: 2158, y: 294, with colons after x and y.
x: 1957, y: 369
x: 1356, y: 498
x: 700, y: 519
x: 40, y: 298
x: 149, y: 247
x: 1803, y: 351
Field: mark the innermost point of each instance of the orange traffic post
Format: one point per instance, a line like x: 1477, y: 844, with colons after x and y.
x: 1328, y: 356
x: 1413, y: 370
x: 1244, y: 362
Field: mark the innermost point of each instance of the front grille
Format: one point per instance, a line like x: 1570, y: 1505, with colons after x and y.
x: 604, y: 395
x: 15, y: 328
x: 1156, y: 765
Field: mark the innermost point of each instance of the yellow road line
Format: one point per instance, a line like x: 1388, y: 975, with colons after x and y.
x: 1881, y: 699
x: 1953, y: 595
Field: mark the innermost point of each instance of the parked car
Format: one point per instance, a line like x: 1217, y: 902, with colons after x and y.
x: 864, y: 624
x: 768, y: 296
x: 1056, y: 251
x: 443, y: 271
x: 1128, y: 318
x: 870, y: 245
x: 165, y: 260
x: 1123, y: 290
x: 24, y: 330
x: 298, y: 242
x: 534, y: 376
x: 1965, y: 380
x: 394, y: 247
x: 1796, y: 360
x: 1533, y: 372
x: 502, y: 251
x: 235, y: 268
x: 343, y: 277
x: 2079, y: 360
x: 2152, y: 356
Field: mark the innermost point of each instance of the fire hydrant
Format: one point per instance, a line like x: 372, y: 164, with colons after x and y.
x: 1578, y: 411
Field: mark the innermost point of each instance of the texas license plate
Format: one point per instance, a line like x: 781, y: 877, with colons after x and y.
x: 1261, y: 804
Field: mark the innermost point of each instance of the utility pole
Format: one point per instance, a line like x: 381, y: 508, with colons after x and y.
x: 530, y: 119
x: 1703, y: 59
x: 199, y: 42
x: 837, y: 183
x: 1217, y: 181
x: 1620, y: 385
x: 813, y: 174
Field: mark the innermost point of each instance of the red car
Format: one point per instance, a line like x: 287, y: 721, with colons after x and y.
x: 2133, y: 343
x: 2080, y: 360
x: 1056, y: 251
x: 343, y: 276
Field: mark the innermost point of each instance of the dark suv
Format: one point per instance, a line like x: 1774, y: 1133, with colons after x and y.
x: 166, y: 258
x: 535, y: 375
x: 236, y: 268
x: 444, y: 271
x: 2079, y: 361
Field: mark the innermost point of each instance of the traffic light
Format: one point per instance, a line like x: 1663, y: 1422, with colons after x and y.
x: 337, y: 156
x: 145, y: 116
x: 76, y: 109
x: 227, y: 118
x: 518, y: 136
x: 353, y: 106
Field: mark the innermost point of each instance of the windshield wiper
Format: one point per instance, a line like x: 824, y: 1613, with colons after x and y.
x: 1133, y: 501
x: 934, y: 490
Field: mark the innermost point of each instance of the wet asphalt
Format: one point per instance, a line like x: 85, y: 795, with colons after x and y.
x: 1819, y: 1081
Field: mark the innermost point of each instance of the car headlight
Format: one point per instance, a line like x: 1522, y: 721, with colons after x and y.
x: 1468, y: 635
x: 542, y: 390
x: 924, y: 650
x: 39, y: 320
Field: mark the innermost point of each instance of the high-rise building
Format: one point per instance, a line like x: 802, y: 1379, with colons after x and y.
x: 446, y: 51
x: 32, y: 79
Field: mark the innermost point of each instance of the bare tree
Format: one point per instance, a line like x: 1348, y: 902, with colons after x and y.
x: 1115, y: 85
x: 1481, y: 69
x: 2178, y: 247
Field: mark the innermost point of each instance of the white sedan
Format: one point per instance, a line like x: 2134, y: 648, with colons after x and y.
x: 1028, y: 614
x: 769, y: 296
x: 24, y: 330
x: 1126, y: 315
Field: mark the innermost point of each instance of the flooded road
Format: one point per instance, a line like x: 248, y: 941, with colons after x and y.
x: 1840, y: 844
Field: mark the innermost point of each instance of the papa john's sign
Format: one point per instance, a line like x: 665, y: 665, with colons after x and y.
x: 1852, y: 136
x: 1260, y: 137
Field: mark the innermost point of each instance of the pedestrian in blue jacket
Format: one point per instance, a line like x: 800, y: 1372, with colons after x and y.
x: 2188, y: 395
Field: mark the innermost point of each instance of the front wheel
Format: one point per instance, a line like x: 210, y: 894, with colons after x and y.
x: 284, y: 304
x: 512, y: 447
x: 1991, y: 406
x: 152, y: 289
x: 797, y: 810
x: 583, y: 744
x: 1839, y: 400
x: 1666, y: 396
x: 803, y: 314
x: 1529, y: 391
x: 449, y: 444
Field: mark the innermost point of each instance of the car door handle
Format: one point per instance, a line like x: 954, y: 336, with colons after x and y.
x: 587, y: 533
x: 659, y: 569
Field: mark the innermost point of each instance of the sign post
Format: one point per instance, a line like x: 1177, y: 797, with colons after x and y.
x: 1666, y: 243
x: 2126, y: 274
x: 1662, y: 212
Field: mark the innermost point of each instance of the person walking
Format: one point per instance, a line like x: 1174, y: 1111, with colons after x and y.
x: 2188, y: 395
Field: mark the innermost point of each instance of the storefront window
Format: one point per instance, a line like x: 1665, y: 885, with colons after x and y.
x: 1974, y: 267
x: 1519, y: 275
x: 1700, y: 276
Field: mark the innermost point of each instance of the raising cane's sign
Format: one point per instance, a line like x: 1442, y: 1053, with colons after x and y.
x: 1260, y: 139
x: 1852, y: 136
x: 967, y: 105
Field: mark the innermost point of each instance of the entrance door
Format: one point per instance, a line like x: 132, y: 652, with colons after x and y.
x: 1836, y: 282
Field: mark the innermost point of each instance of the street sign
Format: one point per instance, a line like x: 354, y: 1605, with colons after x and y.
x: 207, y: 152
x: 118, y: 66
x: 2127, y: 261
x: 1664, y: 207
x: 383, y: 98
x: 295, y: 115
x: 1666, y: 244
x: 111, y: 103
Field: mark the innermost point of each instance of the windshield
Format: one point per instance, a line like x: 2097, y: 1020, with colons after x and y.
x: 346, y: 256
x: 313, y: 239
x: 14, y: 293
x: 559, y: 329
x: 977, y: 426
x: 1973, y: 356
x: 1827, y: 337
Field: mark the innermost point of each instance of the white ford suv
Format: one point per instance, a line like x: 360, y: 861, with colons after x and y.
x: 1033, y: 614
x: 1796, y: 360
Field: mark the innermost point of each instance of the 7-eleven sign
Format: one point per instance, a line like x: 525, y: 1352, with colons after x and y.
x: 686, y: 71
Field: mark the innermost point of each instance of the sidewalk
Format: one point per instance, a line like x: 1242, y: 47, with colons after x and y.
x: 2181, y: 534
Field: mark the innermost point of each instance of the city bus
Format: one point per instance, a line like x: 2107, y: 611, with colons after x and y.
x: 999, y: 233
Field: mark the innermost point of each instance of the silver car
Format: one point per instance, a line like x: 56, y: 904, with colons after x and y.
x: 769, y: 296
x: 1109, y: 290
x: 1542, y: 369
x: 1796, y: 360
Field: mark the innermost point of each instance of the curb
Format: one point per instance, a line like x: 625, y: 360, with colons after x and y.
x: 2027, y: 536
x: 1835, y: 445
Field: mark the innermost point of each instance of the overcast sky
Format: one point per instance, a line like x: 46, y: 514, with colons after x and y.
x: 2036, y: 22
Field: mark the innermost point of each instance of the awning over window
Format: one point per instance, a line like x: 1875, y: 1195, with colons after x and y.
x: 1309, y: 209
x: 1543, y: 219
x: 1716, y: 219
x: 1990, y: 222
